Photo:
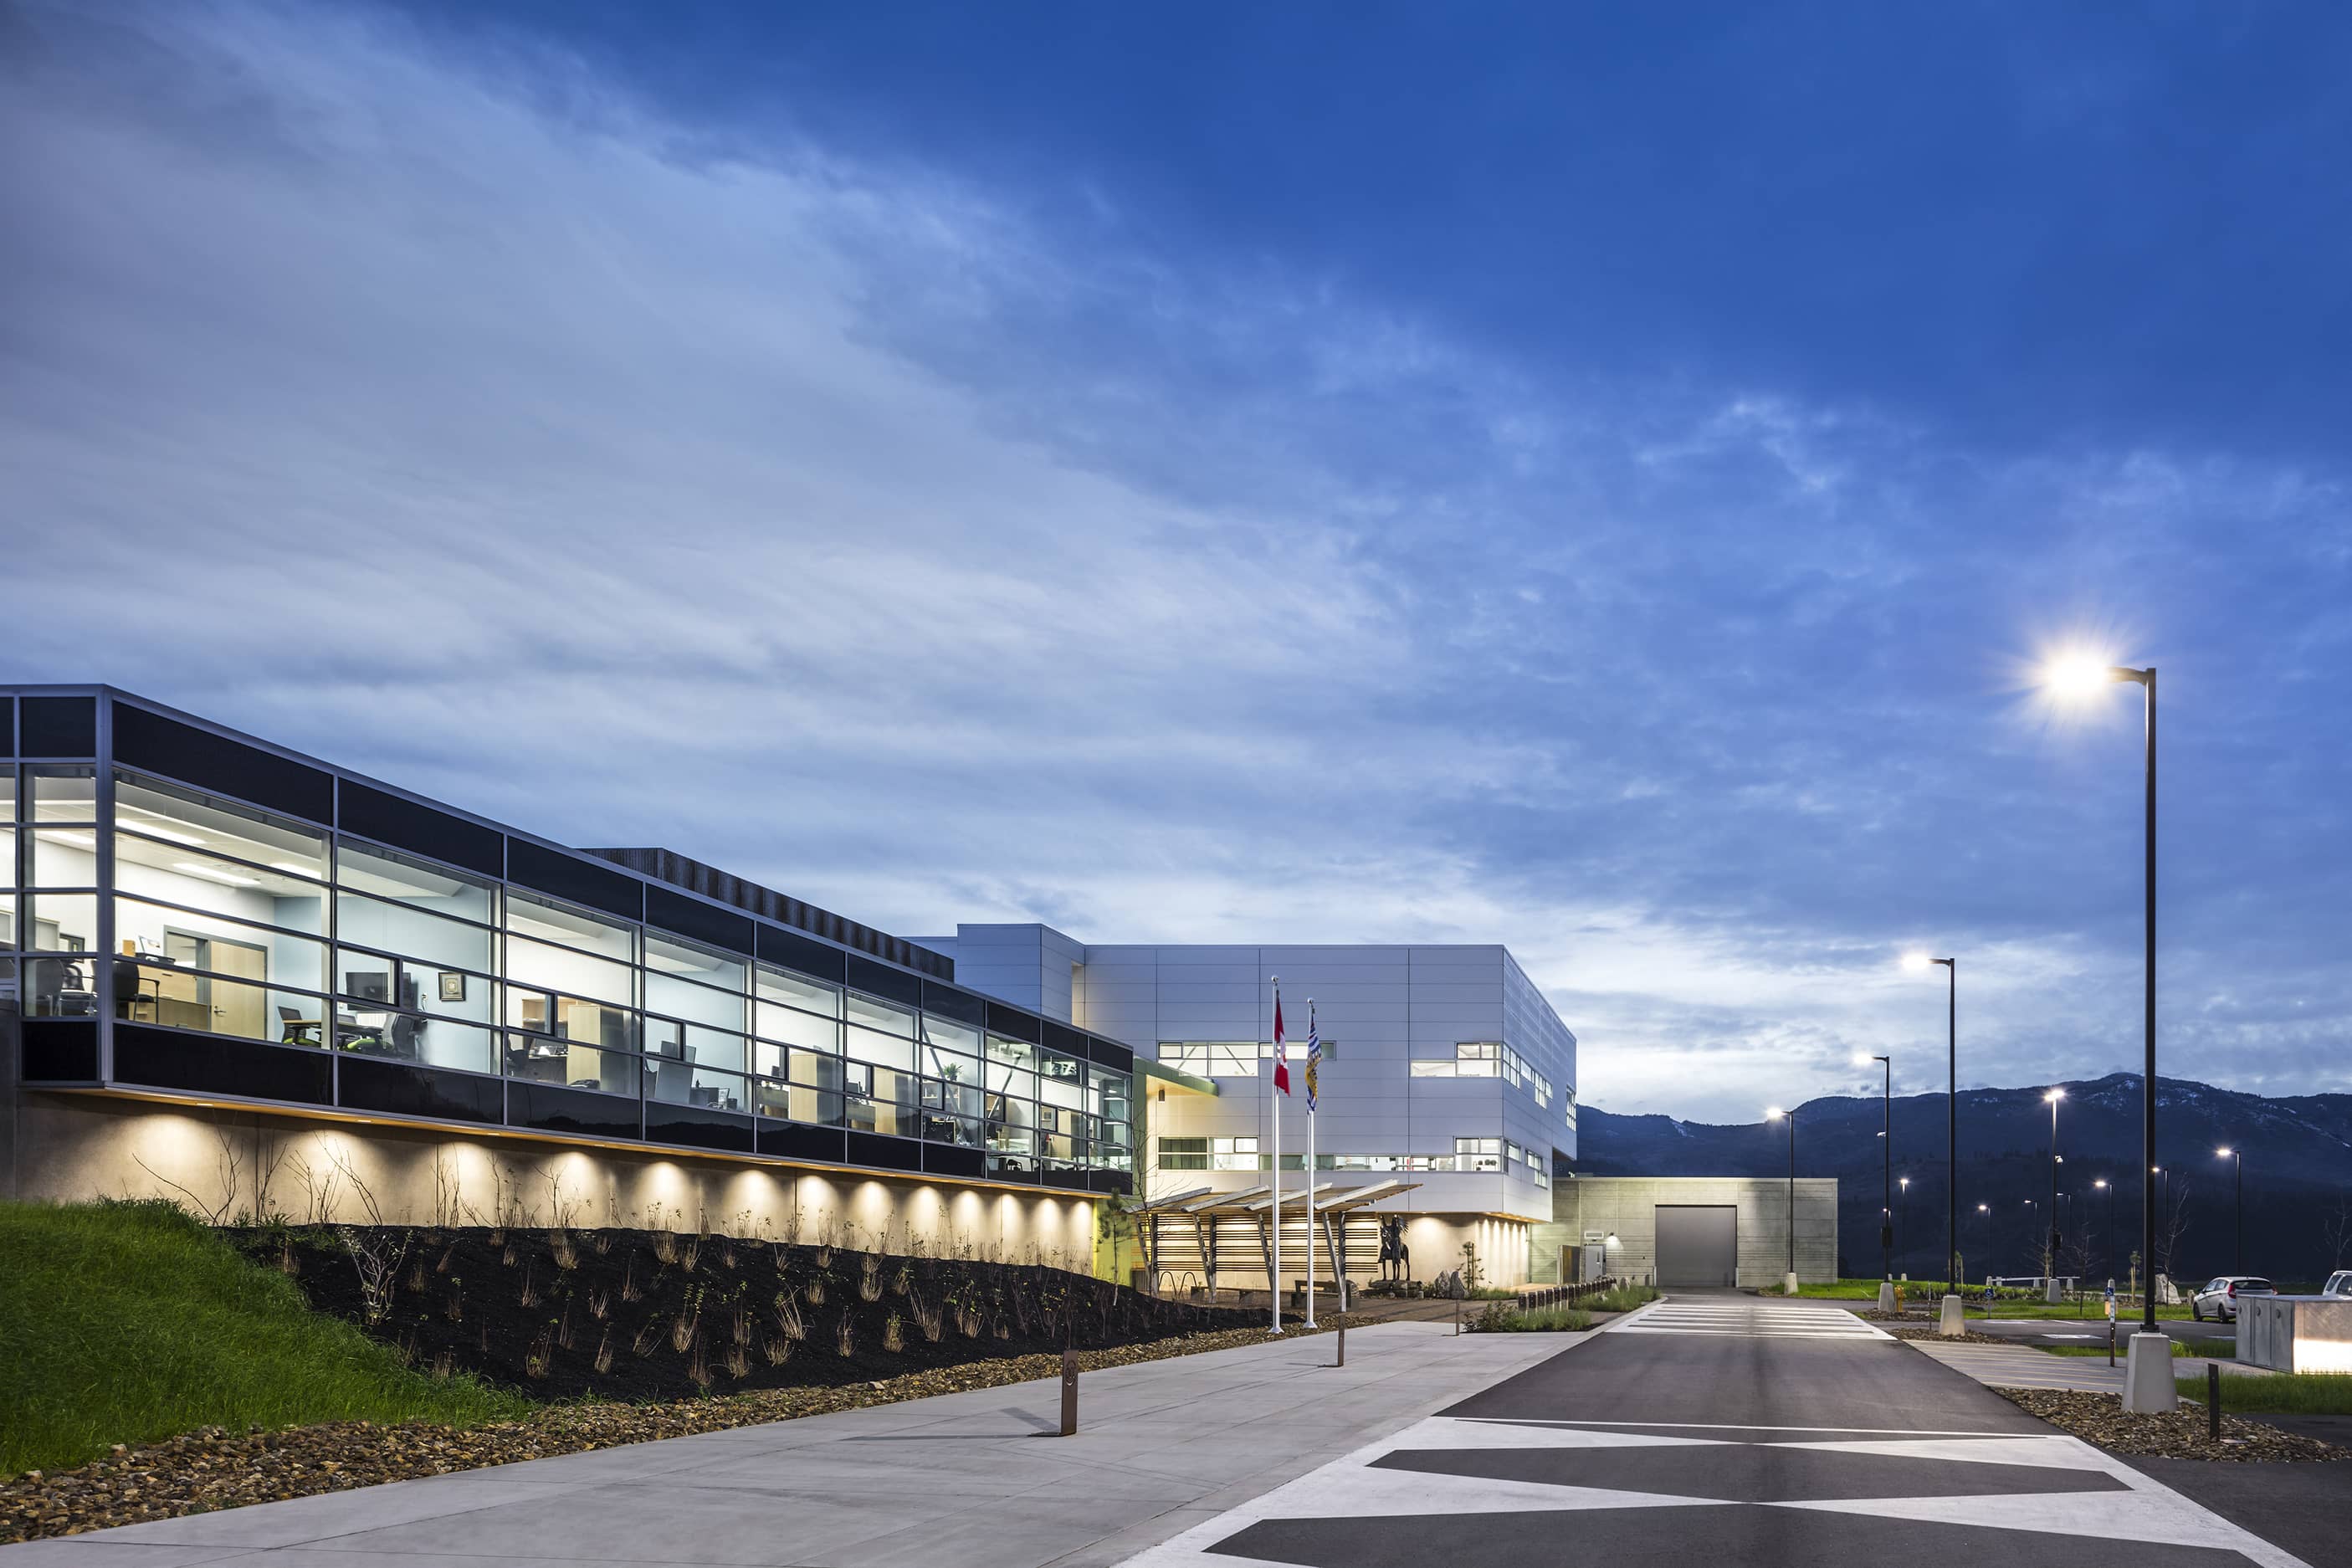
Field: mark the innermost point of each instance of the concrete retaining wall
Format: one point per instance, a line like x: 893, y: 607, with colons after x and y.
x: 1625, y: 1207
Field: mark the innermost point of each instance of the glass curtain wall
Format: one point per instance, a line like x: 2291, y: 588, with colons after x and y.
x: 230, y: 920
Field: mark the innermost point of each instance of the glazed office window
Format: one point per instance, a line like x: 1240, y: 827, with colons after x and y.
x: 880, y: 1050
x: 191, y: 820
x: 687, y: 1083
x: 798, y: 992
x: 384, y: 979
x: 417, y: 934
x: 1183, y: 1153
x: 575, y: 1064
x: 7, y: 793
x: 1478, y: 1154
x: 60, y: 922
x: 704, y: 985
x: 545, y: 920
x: 804, y: 1031
x: 1112, y: 1091
x: 234, y: 890
x: 197, y: 939
x: 1065, y: 1090
x: 695, y: 1044
x: 577, y: 1018
x: 416, y: 884
x: 882, y: 1016
x: 372, y: 1029
x: 1214, y: 1059
x: 181, y: 996
x: 537, y: 965
x: 61, y: 795
x: 61, y: 858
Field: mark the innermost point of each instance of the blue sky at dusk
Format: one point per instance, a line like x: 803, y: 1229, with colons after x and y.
x: 1596, y: 481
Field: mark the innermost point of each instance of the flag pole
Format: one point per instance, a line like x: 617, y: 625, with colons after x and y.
x: 1273, y: 1110
x: 1312, y: 1039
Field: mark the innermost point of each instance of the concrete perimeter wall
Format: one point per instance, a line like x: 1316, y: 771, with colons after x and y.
x: 75, y: 1147
x: 1626, y: 1207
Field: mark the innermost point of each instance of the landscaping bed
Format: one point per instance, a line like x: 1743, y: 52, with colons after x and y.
x: 2182, y: 1433
x: 215, y: 1468
x: 644, y: 1314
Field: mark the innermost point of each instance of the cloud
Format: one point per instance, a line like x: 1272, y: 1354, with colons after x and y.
x: 458, y: 414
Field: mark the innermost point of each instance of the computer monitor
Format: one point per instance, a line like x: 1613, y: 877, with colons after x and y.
x: 368, y: 984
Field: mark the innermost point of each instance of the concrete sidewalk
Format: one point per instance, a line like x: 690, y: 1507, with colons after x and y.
x: 973, y: 1479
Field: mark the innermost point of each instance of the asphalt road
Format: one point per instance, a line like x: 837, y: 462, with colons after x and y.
x: 1729, y: 1429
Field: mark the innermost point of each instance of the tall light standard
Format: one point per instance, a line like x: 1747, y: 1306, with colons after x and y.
x: 1951, y: 1322
x: 2110, y: 1188
x: 1886, y: 1184
x: 1986, y: 1210
x: 2151, y: 1389
x: 1903, y: 1204
x: 2050, y: 1247
x: 2239, y: 1155
x: 1789, y: 1285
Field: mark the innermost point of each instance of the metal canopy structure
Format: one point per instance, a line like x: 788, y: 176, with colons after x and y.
x: 1204, y: 1208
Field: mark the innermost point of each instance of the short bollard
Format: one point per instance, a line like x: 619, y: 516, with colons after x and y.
x: 1340, y: 1359
x: 1070, y: 1394
x: 2111, y: 1342
x: 2213, y: 1401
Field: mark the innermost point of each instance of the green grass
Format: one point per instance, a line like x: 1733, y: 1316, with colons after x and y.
x: 1620, y: 1299
x: 1543, y: 1320
x: 2215, y: 1350
x: 2091, y: 1310
x: 132, y: 1322
x: 2308, y: 1392
x: 1855, y: 1289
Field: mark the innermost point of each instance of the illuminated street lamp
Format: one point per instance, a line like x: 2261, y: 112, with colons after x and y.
x: 2110, y: 1188
x: 2239, y: 1155
x: 1919, y: 963
x: 2050, y: 1247
x: 2079, y: 676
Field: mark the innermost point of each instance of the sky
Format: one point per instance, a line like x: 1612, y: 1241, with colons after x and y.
x: 1595, y: 480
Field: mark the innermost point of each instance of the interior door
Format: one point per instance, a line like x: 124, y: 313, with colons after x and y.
x: 223, y: 1009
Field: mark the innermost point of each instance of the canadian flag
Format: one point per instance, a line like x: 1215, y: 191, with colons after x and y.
x: 1281, y: 1055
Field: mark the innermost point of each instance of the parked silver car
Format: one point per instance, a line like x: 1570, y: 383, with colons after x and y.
x: 2218, y: 1297
x: 2339, y: 1283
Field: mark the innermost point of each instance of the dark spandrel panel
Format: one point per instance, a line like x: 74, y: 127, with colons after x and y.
x: 1109, y: 1054
x: 207, y: 1064
x: 682, y: 916
x: 156, y: 745
x: 1062, y: 1038
x: 60, y: 726
x: 698, y: 1129
x: 1073, y: 1179
x: 397, y: 1089
x: 573, y: 879
x: 58, y: 1050
x: 1015, y: 1025
x: 552, y: 1109
x: 7, y: 726
x: 800, y: 953
x: 792, y: 1141
x: 881, y: 1153
x: 1118, y: 1182
x: 881, y: 980
x: 944, y: 1160
x: 947, y: 1002
x: 420, y: 830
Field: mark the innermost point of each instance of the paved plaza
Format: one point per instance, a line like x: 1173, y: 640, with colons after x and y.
x: 1725, y: 1428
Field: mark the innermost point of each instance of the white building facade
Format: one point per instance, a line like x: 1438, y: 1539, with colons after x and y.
x: 1447, y: 1078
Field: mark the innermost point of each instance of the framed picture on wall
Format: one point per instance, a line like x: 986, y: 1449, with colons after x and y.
x: 452, y: 986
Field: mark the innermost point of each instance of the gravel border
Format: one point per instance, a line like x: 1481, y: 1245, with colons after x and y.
x: 215, y: 1468
x: 2099, y: 1419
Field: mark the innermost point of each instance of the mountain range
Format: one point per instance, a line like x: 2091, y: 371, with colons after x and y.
x: 2297, y: 1155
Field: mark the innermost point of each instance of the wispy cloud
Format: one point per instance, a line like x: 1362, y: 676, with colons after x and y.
x: 461, y: 416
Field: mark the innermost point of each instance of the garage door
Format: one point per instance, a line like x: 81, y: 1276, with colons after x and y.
x: 1697, y: 1246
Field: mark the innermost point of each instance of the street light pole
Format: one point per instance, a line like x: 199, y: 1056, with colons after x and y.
x: 1789, y: 1285
x: 2050, y: 1246
x: 2110, y: 1188
x: 1887, y: 1173
x: 2239, y: 1155
x: 1951, y: 1322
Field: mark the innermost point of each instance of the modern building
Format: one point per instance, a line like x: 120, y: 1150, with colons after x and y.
x: 1447, y: 1093
x: 255, y: 981
x: 1690, y: 1232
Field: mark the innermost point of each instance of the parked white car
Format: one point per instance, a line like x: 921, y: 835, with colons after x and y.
x: 2219, y: 1296
x: 2339, y: 1283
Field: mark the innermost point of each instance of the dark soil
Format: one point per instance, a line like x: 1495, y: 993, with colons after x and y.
x: 641, y: 1315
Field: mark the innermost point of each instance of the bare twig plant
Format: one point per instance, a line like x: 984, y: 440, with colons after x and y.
x: 688, y: 1254
x: 529, y: 1292
x: 927, y: 1317
x: 698, y: 1368
x: 447, y: 1253
x: 564, y: 1329
x: 739, y: 1361
x: 454, y: 1308
x: 814, y: 1290
x: 567, y: 1254
x: 777, y: 1350
x: 542, y: 1350
x: 647, y: 1338
x: 375, y: 1257
x: 894, y: 1334
x: 788, y: 1317
x: 684, y: 1330
x: 603, y: 1242
x: 665, y: 1248
x: 869, y: 1276
x: 600, y: 1303
x: 444, y: 1364
x: 630, y: 1290
x: 845, y: 1335
x: 604, y: 1351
